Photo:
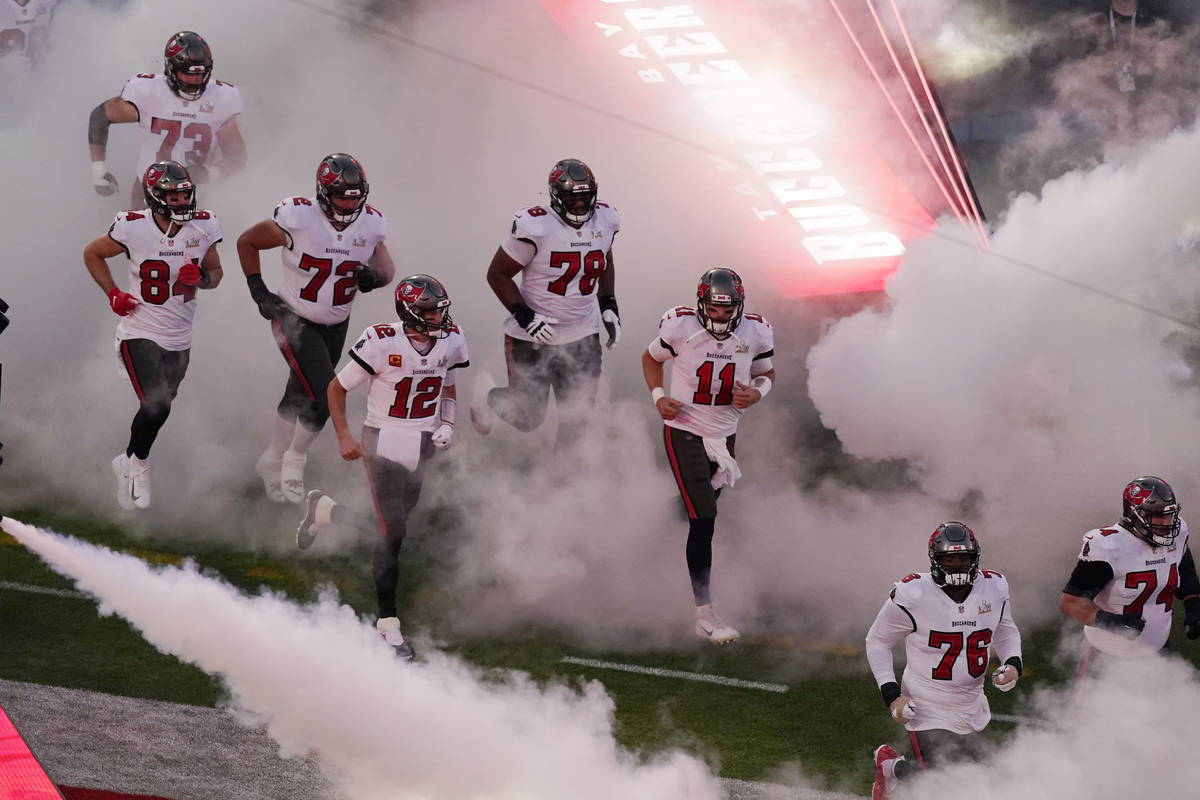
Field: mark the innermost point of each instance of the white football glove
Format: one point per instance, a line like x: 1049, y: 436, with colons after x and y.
x: 1005, y: 678
x: 540, y: 329
x: 443, y: 436
x: 903, y: 710
x: 612, y: 324
x: 102, y: 180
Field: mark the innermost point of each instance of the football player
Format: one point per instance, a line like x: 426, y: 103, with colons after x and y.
x: 185, y: 115
x: 171, y: 251
x: 721, y: 366
x: 332, y: 248
x: 25, y: 28
x: 409, y: 366
x: 564, y: 257
x: 1130, y: 574
x: 950, y: 619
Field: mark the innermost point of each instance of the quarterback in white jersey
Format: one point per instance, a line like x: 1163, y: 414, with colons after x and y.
x: 951, y: 619
x: 564, y: 258
x: 24, y: 28
x: 1130, y: 574
x: 184, y: 116
x: 332, y: 246
x: 410, y: 367
x: 171, y: 249
x: 721, y: 366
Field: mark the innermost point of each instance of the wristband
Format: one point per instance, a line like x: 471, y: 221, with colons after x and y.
x: 522, y: 313
x: 99, y: 170
x: 763, y: 384
x: 657, y: 394
x: 449, y: 410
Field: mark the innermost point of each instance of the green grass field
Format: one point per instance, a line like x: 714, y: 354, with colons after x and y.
x: 827, y: 723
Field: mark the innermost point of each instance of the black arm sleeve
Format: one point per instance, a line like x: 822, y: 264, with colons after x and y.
x: 1016, y: 662
x: 98, y: 126
x: 1189, y: 583
x: 1088, y: 578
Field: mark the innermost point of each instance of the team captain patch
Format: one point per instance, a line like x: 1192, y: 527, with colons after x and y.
x: 394, y: 360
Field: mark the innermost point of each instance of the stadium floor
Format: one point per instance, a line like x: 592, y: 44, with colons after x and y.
x: 122, y: 744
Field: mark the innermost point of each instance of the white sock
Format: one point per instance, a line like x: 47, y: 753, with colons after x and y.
x: 281, y: 436
x: 889, y: 768
x: 302, y: 439
x: 134, y: 461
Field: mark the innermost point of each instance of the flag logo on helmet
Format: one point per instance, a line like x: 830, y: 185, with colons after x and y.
x: 153, y: 173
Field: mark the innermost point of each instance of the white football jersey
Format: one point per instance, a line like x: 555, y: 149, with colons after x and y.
x: 1144, y: 578
x: 166, y: 308
x: 24, y: 29
x: 177, y: 129
x: 320, y: 261
x: 560, y: 279
x: 947, y: 644
x: 704, y: 370
x: 406, y: 386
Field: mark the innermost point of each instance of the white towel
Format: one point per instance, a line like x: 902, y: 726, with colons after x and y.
x: 727, y: 467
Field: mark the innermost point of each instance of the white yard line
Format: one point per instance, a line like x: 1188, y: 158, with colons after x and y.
x: 32, y: 589
x: 672, y: 673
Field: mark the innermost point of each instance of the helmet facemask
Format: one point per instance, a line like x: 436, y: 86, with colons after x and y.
x: 165, y: 178
x: 1148, y: 499
x: 188, y: 53
x: 573, y: 191
x: 949, y: 540
x: 421, y: 295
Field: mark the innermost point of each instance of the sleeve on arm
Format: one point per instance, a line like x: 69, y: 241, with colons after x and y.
x: 891, y: 625
x: 1089, y: 578
x: 1007, y: 644
x: 521, y: 251
x: 1189, y: 583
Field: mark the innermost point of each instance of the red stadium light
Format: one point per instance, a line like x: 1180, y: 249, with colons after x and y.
x: 825, y: 212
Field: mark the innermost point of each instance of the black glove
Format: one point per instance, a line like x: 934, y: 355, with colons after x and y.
x: 1127, y: 626
x: 368, y: 279
x: 1191, y: 617
x: 270, y: 305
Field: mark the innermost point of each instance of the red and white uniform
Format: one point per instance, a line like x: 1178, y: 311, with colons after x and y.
x: 319, y: 262
x: 406, y: 386
x: 166, y: 308
x: 705, y: 370
x: 562, y: 268
x: 24, y: 29
x: 177, y: 129
x: 947, y: 645
x: 1144, y: 579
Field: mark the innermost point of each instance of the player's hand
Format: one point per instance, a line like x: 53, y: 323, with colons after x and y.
x: 745, y: 396
x: 1191, y: 617
x: 368, y: 279
x: 1127, y: 626
x: 443, y: 436
x: 668, y: 407
x: 102, y: 180
x: 190, y: 274
x: 903, y: 710
x: 122, y: 303
x: 270, y: 305
x: 540, y: 328
x: 1005, y: 678
x: 351, y: 448
x: 612, y: 324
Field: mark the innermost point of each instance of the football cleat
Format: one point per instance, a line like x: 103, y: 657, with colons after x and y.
x: 482, y: 416
x: 120, y: 466
x: 308, y: 530
x: 880, y: 789
x: 389, y: 629
x: 710, y: 627
x: 139, y: 477
x: 291, y: 476
x: 268, y: 468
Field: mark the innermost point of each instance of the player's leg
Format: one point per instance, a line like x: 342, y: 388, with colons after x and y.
x: 523, y: 402
x: 937, y: 748
x: 693, y: 474
x: 155, y: 374
x: 575, y: 377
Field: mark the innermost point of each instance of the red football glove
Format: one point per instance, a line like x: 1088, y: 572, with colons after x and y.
x: 190, y: 274
x: 121, y: 302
